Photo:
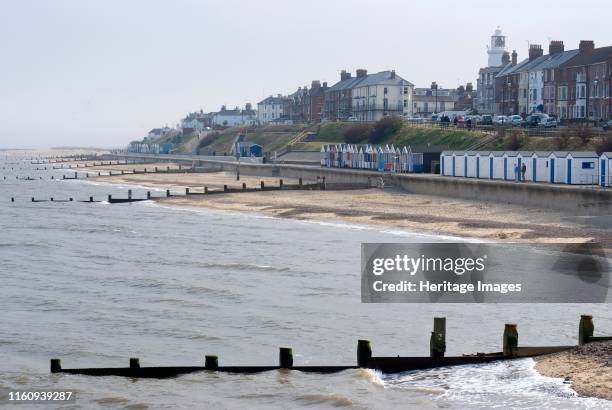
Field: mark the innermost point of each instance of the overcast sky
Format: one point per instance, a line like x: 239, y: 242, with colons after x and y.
x: 102, y: 73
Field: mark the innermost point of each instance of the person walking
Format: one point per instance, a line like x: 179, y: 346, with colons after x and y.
x: 523, y: 171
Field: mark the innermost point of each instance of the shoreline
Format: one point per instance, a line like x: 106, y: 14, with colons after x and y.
x: 434, y: 215
x: 587, y: 367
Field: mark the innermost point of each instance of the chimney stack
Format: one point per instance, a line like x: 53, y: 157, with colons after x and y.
x: 556, y: 47
x: 393, y: 74
x: 361, y: 73
x: 535, y: 51
x: 315, y: 84
x: 505, y: 58
x: 586, y: 46
x: 324, y: 84
x: 514, y: 57
x: 344, y: 75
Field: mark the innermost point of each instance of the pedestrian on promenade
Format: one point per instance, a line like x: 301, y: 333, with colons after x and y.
x: 523, y: 171
x: 517, y: 173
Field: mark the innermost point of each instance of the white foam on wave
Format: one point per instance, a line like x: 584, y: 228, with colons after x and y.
x: 513, y: 382
x: 120, y: 186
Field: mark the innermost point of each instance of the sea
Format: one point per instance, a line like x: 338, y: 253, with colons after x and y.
x: 97, y: 283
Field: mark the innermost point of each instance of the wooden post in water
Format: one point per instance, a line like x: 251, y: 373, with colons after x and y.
x: 224, y: 188
x: 33, y: 199
x: 180, y: 167
x: 262, y: 185
x: 91, y: 199
x: 186, y: 191
x: 155, y: 169
x: 437, y: 341
x: 586, y: 329
x: 56, y: 365
x: 280, y: 184
x: 134, y: 363
x: 205, y: 189
x: 99, y: 173
x: 148, y: 194
x: 364, y: 352
x: 211, y: 362
x: 168, y: 168
x: 110, y: 198
x: 121, y: 172
x: 285, y: 358
x: 129, y: 194
x: 244, y: 186
x: 145, y: 170
x: 300, y: 181
x: 167, y: 192
x: 510, y: 339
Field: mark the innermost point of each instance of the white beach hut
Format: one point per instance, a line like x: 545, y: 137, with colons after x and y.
x: 557, y: 161
x: 539, y: 170
x: 496, y: 163
x: 459, y: 163
x: 582, y: 168
x: 471, y: 164
x: 605, y: 172
x: 446, y: 163
x: 483, y: 165
x: 510, y: 163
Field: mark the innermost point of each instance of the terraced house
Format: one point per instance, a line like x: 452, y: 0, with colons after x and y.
x: 368, y: 97
x: 574, y: 84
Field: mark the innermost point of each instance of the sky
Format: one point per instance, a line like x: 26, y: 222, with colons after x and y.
x: 103, y: 73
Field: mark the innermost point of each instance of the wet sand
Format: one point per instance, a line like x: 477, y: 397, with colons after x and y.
x: 392, y: 209
x: 589, y: 368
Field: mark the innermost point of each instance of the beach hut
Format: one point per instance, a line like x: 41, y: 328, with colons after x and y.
x: 524, y: 158
x: 459, y: 163
x: 539, y: 170
x: 471, y: 162
x: 605, y: 172
x: 510, y: 163
x: 380, y: 158
x: 557, y: 167
x: 483, y: 165
x: 582, y: 168
x: 496, y: 163
x: 446, y: 163
x: 323, y: 154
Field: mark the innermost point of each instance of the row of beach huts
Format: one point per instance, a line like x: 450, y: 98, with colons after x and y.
x: 557, y: 167
x: 381, y: 158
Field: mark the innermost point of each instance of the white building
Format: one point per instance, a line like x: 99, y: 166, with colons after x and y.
x: 270, y: 109
x: 235, y: 117
x: 378, y: 95
x: 605, y: 172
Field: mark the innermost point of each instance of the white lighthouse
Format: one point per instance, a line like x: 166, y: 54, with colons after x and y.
x: 497, y: 48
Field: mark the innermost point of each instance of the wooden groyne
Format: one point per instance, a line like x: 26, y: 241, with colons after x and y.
x: 321, y: 184
x: 365, y: 359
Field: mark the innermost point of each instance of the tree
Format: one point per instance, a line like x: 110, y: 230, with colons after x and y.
x: 384, y: 128
x: 357, y: 133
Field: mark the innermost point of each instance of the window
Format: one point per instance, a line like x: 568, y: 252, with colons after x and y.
x: 405, y: 103
x: 385, y: 90
x: 588, y: 165
x: 405, y: 90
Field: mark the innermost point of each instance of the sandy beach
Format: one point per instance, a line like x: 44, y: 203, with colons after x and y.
x: 391, y: 208
x: 588, y: 367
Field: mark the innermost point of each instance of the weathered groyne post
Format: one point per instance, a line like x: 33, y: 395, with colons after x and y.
x: 437, y: 341
x: 129, y: 194
x: 285, y: 358
x: 56, y: 365
x: 186, y: 191
x: 510, y: 339
x: 586, y: 329
x: 148, y: 194
x: 110, y: 198
x: 134, y: 363
x: 211, y: 362
x: 205, y: 189
x: 280, y: 184
x: 244, y: 186
x: 167, y: 193
x: 262, y: 185
x: 224, y: 188
x: 364, y: 352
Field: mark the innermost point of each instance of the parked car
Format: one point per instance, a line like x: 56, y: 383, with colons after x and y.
x: 501, y: 120
x: 607, y: 125
x: 486, y: 119
x: 549, y: 122
x: 515, y: 120
x: 414, y: 119
x: 533, y: 120
x: 352, y: 119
